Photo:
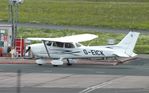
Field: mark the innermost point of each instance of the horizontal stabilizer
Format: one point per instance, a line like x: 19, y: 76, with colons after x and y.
x: 123, y: 54
x: 120, y: 54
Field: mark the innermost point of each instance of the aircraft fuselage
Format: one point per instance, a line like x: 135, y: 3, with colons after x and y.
x: 39, y: 50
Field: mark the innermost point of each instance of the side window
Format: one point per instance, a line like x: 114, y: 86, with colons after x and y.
x: 69, y: 45
x: 58, y: 44
x: 54, y: 44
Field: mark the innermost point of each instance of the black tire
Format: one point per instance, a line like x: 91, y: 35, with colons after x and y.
x: 39, y: 64
x: 69, y: 64
x: 55, y: 65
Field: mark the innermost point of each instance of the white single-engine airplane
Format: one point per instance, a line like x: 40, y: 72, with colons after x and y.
x: 69, y: 48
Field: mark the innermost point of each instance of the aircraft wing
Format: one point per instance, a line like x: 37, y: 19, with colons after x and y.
x: 37, y: 39
x: 73, y: 38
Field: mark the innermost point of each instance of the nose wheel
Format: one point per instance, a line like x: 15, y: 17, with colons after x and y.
x: 55, y: 65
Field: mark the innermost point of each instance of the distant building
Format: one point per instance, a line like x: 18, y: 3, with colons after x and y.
x: 5, y: 37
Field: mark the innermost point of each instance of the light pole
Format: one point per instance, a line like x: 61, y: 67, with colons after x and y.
x: 13, y: 17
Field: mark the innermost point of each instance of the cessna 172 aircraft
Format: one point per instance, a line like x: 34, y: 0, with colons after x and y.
x: 69, y: 48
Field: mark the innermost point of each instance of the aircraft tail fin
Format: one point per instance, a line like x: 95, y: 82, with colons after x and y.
x: 128, y: 43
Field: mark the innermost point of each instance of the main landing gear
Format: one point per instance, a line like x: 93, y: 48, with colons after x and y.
x: 40, y: 64
x: 55, y: 65
x: 68, y: 62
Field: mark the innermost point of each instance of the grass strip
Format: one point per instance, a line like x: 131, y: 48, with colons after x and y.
x: 129, y: 14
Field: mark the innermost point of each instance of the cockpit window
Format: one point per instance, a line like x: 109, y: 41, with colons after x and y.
x: 69, y: 45
x: 49, y: 43
x: 58, y: 44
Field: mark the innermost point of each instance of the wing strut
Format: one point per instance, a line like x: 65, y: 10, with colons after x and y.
x: 44, y: 42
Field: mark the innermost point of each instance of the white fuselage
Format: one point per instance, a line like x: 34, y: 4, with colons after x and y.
x: 39, y: 50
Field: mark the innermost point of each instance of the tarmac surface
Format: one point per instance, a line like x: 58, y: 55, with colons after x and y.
x: 130, y: 77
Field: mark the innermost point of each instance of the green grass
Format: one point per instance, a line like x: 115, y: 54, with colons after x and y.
x: 141, y: 47
x: 130, y: 14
